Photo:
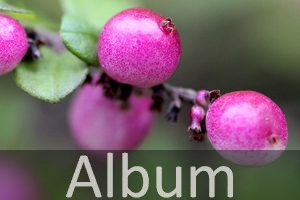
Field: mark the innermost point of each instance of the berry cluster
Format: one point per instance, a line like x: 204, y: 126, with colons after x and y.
x: 140, y: 49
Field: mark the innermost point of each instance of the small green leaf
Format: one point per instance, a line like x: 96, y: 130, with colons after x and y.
x: 83, y: 21
x: 80, y: 38
x: 10, y: 8
x: 97, y: 12
x: 52, y: 77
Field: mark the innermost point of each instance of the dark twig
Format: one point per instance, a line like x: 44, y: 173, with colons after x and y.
x: 51, y: 39
x: 158, y: 97
x: 178, y: 96
x: 37, y: 38
x: 200, y: 101
x: 183, y: 94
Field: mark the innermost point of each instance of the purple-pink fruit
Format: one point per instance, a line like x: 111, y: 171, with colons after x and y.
x: 139, y: 47
x: 13, y: 43
x: 99, y: 123
x: 16, y: 182
x: 247, y: 120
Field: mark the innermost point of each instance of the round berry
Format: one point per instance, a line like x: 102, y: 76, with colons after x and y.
x: 13, y: 43
x: 139, y: 47
x: 100, y: 123
x: 247, y: 120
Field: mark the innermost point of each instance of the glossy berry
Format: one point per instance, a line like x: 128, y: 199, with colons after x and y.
x: 99, y: 123
x: 13, y: 43
x: 247, y: 120
x: 139, y: 47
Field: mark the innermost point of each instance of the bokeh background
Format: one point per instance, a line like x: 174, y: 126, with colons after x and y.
x: 226, y: 45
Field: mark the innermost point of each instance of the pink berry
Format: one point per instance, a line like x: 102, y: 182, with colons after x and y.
x: 247, y: 120
x: 139, y: 47
x: 13, y: 43
x: 99, y: 123
x: 197, y: 114
x: 202, y: 98
x: 16, y: 183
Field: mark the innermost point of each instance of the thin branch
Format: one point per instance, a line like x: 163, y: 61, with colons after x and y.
x: 185, y: 94
x: 51, y: 39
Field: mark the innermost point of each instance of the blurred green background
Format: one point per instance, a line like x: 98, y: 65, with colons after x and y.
x: 226, y: 45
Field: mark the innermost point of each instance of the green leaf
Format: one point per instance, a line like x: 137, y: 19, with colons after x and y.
x: 97, y: 12
x: 10, y: 8
x: 83, y: 21
x: 52, y: 77
x: 80, y: 38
